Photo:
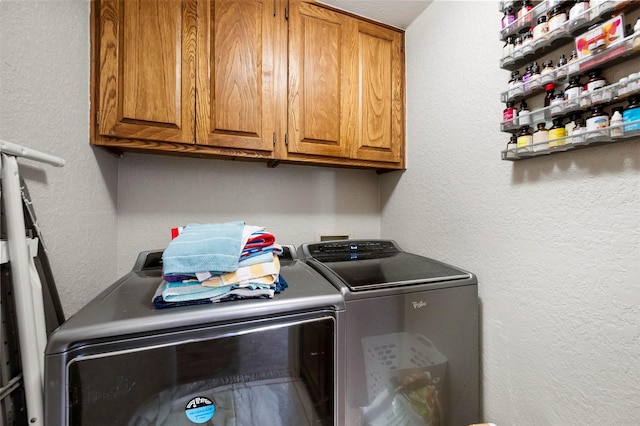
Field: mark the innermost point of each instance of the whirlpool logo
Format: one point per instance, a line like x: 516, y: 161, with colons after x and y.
x: 418, y: 305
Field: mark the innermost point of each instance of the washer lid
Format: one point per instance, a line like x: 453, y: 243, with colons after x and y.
x: 365, y: 265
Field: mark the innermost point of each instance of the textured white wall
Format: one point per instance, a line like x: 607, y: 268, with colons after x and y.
x: 157, y: 193
x: 555, y: 241
x: 44, y: 104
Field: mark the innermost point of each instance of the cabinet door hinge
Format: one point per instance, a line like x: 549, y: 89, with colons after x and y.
x: 98, y: 117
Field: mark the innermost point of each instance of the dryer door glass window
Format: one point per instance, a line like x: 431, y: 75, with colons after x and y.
x: 283, y: 373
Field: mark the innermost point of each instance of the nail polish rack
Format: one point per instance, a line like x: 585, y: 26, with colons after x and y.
x: 563, y: 40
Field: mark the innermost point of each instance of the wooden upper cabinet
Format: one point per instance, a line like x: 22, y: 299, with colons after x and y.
x: 346, y: 86
x: 146, y: 67
x: 380, y: 104
x: 290, y: 80
x: 235, y: 99
x: 322, y: 73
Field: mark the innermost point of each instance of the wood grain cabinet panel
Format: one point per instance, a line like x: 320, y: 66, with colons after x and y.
x: 147, y: 70
x: 282, y: 80
x: 235, y: 101
x: 321, y: 69
x: 346, y: 87
x: 380, y: 133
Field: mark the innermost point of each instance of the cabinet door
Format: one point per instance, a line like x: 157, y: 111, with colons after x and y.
x: 235, y: 99
x: 380, y: 94
x: 147, y: 70
x: 322, y: 75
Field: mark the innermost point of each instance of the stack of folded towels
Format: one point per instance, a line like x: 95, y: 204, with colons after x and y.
x: 219, y: 262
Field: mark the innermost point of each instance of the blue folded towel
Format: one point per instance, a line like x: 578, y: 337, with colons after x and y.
x: 183, y: 292
x: 254, y: 260
x: 214, y: 248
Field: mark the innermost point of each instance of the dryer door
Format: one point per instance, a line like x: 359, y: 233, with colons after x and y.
x: 277, y: 371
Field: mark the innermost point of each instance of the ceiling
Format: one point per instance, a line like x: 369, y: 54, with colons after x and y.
x: 398, y: 13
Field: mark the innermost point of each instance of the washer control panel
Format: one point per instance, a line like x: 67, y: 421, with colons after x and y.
x: 349, y: 248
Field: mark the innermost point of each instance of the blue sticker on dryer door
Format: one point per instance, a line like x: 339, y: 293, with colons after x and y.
x: 200, y: 409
